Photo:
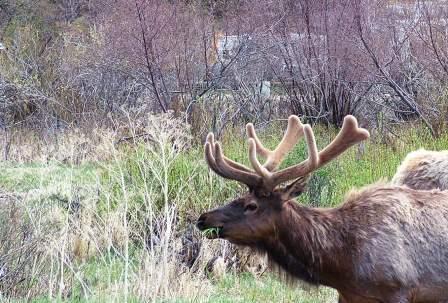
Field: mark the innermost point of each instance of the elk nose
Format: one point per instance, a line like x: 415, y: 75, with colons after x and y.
x: 201, y: 222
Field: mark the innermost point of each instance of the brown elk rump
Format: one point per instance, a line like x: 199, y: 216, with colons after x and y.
x: 423, y: 169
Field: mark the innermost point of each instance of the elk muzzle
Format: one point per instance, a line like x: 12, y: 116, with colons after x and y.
x: 210, y: 225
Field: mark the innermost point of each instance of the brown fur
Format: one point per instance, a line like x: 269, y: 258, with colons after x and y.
x: 386, y: 243
x: 423, y: 169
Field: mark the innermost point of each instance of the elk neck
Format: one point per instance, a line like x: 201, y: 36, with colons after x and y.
x: 309, y: 245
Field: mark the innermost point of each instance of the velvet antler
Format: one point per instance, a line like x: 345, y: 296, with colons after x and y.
x: 264, y: 175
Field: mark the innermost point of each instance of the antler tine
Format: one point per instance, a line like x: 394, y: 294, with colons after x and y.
x: 248, y: 178
x: 210, y: 158
x: 236, y: 165
x: 349, y: 135
x: 293, y: 133
x: 263, y: 151
x: 260, y: 169
x: 225, y: 167
x: 313, y: 155
x: 268, y: 177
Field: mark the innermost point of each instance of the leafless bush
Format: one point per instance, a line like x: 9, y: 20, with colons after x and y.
x: 320, y: 60
x: 79, y: 145
x: 16, y: 245
x: 70, y: 146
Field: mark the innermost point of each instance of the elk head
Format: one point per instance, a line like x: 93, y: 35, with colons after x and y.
x: 253, y: 217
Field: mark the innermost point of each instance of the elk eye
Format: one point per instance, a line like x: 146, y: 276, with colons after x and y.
x: 251, y: 207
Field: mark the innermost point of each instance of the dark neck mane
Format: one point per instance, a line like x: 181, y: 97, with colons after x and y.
x: 306, y: 242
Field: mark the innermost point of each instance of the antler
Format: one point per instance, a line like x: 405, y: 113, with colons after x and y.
x: 349, y: 135
x: 269, y: 177
x: 227, y: 168
x: 264, y: 175
x: 273, y: 158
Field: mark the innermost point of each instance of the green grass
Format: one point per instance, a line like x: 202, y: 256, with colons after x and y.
x: 210, y: 232
x: 233, y: 288
x: 26, y: 177
x: 193, y: 186
x: 246, y: 288
x: 141, y: 181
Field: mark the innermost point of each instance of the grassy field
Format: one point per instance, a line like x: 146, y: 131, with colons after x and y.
x: 121, y: 229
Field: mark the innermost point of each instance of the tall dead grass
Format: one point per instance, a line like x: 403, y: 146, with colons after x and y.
x: 125, y: 234
x: 117, y: 240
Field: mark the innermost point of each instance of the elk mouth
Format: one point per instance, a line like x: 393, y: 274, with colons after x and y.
x: 213, y: 232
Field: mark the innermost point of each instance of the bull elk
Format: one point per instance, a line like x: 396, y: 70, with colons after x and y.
x: 385, y: 244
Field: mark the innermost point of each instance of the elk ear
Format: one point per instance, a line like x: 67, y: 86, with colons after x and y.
x: 295, y: 189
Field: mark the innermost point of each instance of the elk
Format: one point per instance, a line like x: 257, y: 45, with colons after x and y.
x: 423, y: 169
x: 385, y: 244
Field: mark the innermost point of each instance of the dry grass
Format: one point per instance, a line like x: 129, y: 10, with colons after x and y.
x: 71, y: 146
x: 113, y: 236
x: 117, y: 226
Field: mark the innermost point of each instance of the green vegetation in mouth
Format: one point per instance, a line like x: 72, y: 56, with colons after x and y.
x: 211, y: 232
